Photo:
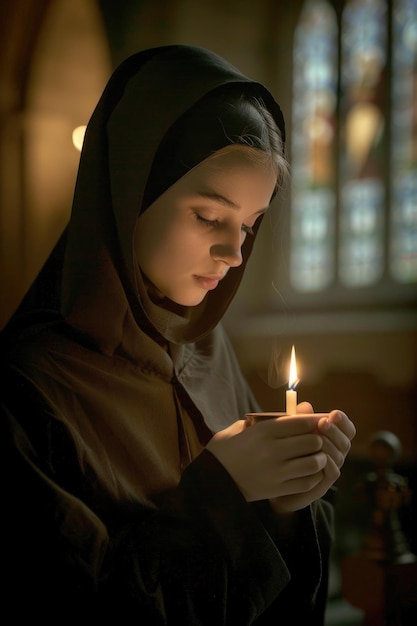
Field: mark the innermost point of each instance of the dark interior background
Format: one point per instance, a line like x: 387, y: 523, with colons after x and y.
x: 55, y: 59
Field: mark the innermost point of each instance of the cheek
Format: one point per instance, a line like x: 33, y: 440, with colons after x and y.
x: 168, y: 252
x: 180, y: 250
x: 151, y: 235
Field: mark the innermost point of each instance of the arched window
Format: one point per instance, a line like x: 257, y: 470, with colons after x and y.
x: 403, y: 154
x: 354, y: 151
x: 313, y: 148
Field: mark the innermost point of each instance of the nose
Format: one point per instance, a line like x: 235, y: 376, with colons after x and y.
x: 229, y: 249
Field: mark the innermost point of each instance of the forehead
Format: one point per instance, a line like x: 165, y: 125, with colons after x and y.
x: 238, y: 174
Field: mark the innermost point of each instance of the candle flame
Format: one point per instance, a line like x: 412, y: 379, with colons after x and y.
x: 293, y: 378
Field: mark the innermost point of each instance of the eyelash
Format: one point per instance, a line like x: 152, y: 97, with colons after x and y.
x: 214, y: 223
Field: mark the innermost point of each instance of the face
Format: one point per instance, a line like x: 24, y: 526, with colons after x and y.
x: 192, y: 235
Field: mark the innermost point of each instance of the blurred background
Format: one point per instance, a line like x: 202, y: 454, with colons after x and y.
x: 334, y: 271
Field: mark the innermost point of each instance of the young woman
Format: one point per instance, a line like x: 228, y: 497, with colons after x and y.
x: 134, y: 488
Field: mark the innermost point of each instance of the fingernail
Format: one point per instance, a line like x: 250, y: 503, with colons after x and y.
x: 325, y: 425
x: 337, y: 417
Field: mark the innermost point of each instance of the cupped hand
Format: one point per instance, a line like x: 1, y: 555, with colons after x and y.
x: 291, y: 461
x: 337, y: 432
x: 273, y: 459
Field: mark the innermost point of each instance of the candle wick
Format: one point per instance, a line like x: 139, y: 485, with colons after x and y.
x: 294, y: 384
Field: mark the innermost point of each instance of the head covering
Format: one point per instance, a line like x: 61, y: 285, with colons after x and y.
x: 148, y: 101
x: 221, y: 118
x: 136, y: 386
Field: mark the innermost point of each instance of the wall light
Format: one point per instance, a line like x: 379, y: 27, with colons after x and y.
x: 78, y: 137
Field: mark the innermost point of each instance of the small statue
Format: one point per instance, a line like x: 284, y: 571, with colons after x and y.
x: 388, y: 494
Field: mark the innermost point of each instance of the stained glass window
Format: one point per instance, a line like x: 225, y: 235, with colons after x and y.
x: 354, y: 145
x: 362, y: 124
x: 403, y: 222
x: 313, y: 144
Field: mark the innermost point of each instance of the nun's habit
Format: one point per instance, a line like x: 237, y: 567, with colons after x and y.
x: 112, y: 507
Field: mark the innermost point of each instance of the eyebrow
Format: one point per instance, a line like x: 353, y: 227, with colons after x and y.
x: 217, y: 197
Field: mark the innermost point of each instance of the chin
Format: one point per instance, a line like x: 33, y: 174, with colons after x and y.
x: 194, y: 302
x: 172, y: 301
x: 191, y: 301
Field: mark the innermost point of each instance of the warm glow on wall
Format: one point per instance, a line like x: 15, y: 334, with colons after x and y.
x: 78, y: 137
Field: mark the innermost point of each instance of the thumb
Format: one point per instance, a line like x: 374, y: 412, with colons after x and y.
x: 305, y: 407
x: 232, y: 430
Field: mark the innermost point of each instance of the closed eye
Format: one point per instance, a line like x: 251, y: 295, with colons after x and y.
x: 248, y: 229
x: 206, y: 222
x: 215, y: 223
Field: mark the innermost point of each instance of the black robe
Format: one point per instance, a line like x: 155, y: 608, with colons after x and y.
x: 113, y: 508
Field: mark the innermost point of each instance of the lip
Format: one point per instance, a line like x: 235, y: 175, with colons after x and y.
x: 208, y: 282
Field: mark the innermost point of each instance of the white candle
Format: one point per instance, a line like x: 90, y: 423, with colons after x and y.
x: 291, y: 394
x: 291, y: 402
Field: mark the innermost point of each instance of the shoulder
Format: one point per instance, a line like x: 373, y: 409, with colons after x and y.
x: 33, y: 339
x: 26, y: 329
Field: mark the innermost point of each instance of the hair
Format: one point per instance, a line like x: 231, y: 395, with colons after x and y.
x: 226, y: 117
x: 266, y: 147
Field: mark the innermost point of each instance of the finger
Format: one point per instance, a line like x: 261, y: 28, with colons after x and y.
x: 295, y: 476
x: 288, y: 426
x: 305, y: 407
x: 299, y: 485
x: 342, y: 421
x: 331, y: 472
x: 299, y: 500
x: 297, y: 447
x: 320, y: 484
x: 304, y: 467
x: 333, y: 452
x: 317, y: 486
x: 232, y: 430
x: 331, y: 432
x: 335, y: 443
